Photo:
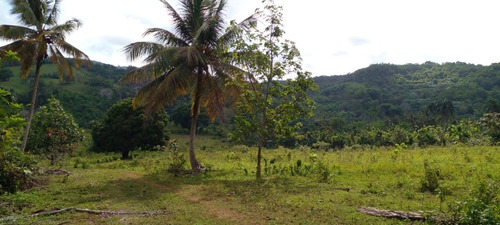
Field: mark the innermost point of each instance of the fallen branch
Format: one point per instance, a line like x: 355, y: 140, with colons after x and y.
x: 89, y: 211
x: 55, y: 172
x: 342, y: 189
x: 97, y: 212
x: 393, y: 214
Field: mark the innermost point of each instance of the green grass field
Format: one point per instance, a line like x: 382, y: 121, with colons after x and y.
x: 300, y: 186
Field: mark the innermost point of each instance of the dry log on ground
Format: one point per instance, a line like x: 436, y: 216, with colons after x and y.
x: 90, y: 211
x: 393, y: 214
x: 55, y: 172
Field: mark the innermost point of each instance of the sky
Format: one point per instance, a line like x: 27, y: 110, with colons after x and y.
x: 335, y: 37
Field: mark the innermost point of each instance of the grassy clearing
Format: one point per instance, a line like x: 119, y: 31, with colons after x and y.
x: 300, y: 186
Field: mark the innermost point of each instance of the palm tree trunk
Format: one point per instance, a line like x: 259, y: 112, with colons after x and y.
x: 195, y: 165
x: 32, y: 106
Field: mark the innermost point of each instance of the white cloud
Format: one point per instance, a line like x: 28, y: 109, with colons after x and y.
x: 334, y: 37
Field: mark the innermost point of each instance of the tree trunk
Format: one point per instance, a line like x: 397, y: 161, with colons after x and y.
x: 195, y: 165
x: 259, y: 158
x: 125, y: 155
x: 32, y: 106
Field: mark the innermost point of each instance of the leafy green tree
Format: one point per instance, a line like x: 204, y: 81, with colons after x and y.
x: 38, y: 38
x: 15, y: 166
x: 124, y: 129
x: 55, y: 132
x: 9, y: 111
x: 187, y: 60
x: 269, y: 108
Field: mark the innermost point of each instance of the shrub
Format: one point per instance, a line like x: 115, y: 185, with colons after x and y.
x: 178, y: 161
x: 430, y: 182
x: 481, y: 207
x: 124, y: 129
x: 428, y: 135
x: 54, y: 132
x: 491, y: 124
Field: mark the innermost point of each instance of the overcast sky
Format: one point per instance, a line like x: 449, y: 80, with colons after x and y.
x: 335, y: 37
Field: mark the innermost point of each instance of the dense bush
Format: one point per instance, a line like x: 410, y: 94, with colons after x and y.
x: 53, y: 132
x: 481, y: 207
x: 491, y: 123
x: 428, y: 135
x: 466, y: 132
x: 124, y: 129
x: 15, y: 167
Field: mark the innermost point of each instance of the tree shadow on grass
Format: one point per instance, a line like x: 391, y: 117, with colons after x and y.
x: 126, y: 192
x: 223, y: 183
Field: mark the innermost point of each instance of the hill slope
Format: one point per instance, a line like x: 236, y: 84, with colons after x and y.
x: 92, y: 91
x: 386, y: 91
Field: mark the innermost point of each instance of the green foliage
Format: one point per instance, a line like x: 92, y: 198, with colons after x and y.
x: 15, y: 167
x: 442, y: 111
x: 290, y: 193
x: 465, y: 131
x: 189, y: 60
x: 54, y: 132
x: 491, y: 124
x: 428, y: 135
x: 177, y: 159
x: 181, y: 115
x: 124, y: 129
x: 269, y: 109
x: 6, y: 74
x: 481, y: 207
x: 431, y: 180
x: 80, y: 97
x: 400, y: 93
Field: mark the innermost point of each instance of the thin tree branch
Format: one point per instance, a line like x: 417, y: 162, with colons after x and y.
x: 89, y: 211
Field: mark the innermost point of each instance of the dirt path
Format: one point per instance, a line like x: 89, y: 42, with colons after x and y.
x: 214, y: 208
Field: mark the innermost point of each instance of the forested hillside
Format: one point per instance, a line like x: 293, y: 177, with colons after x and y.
x: 92, y: 91
x: 399, y: 92
x: 380, y: 92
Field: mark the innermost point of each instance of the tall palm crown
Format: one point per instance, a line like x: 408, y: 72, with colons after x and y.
x: 188, y: 60
x: 40, y: 38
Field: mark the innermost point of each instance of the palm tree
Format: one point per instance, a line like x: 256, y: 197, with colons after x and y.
x: 189, y: 60
x: 40, y: 38
x: 445, y: 111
